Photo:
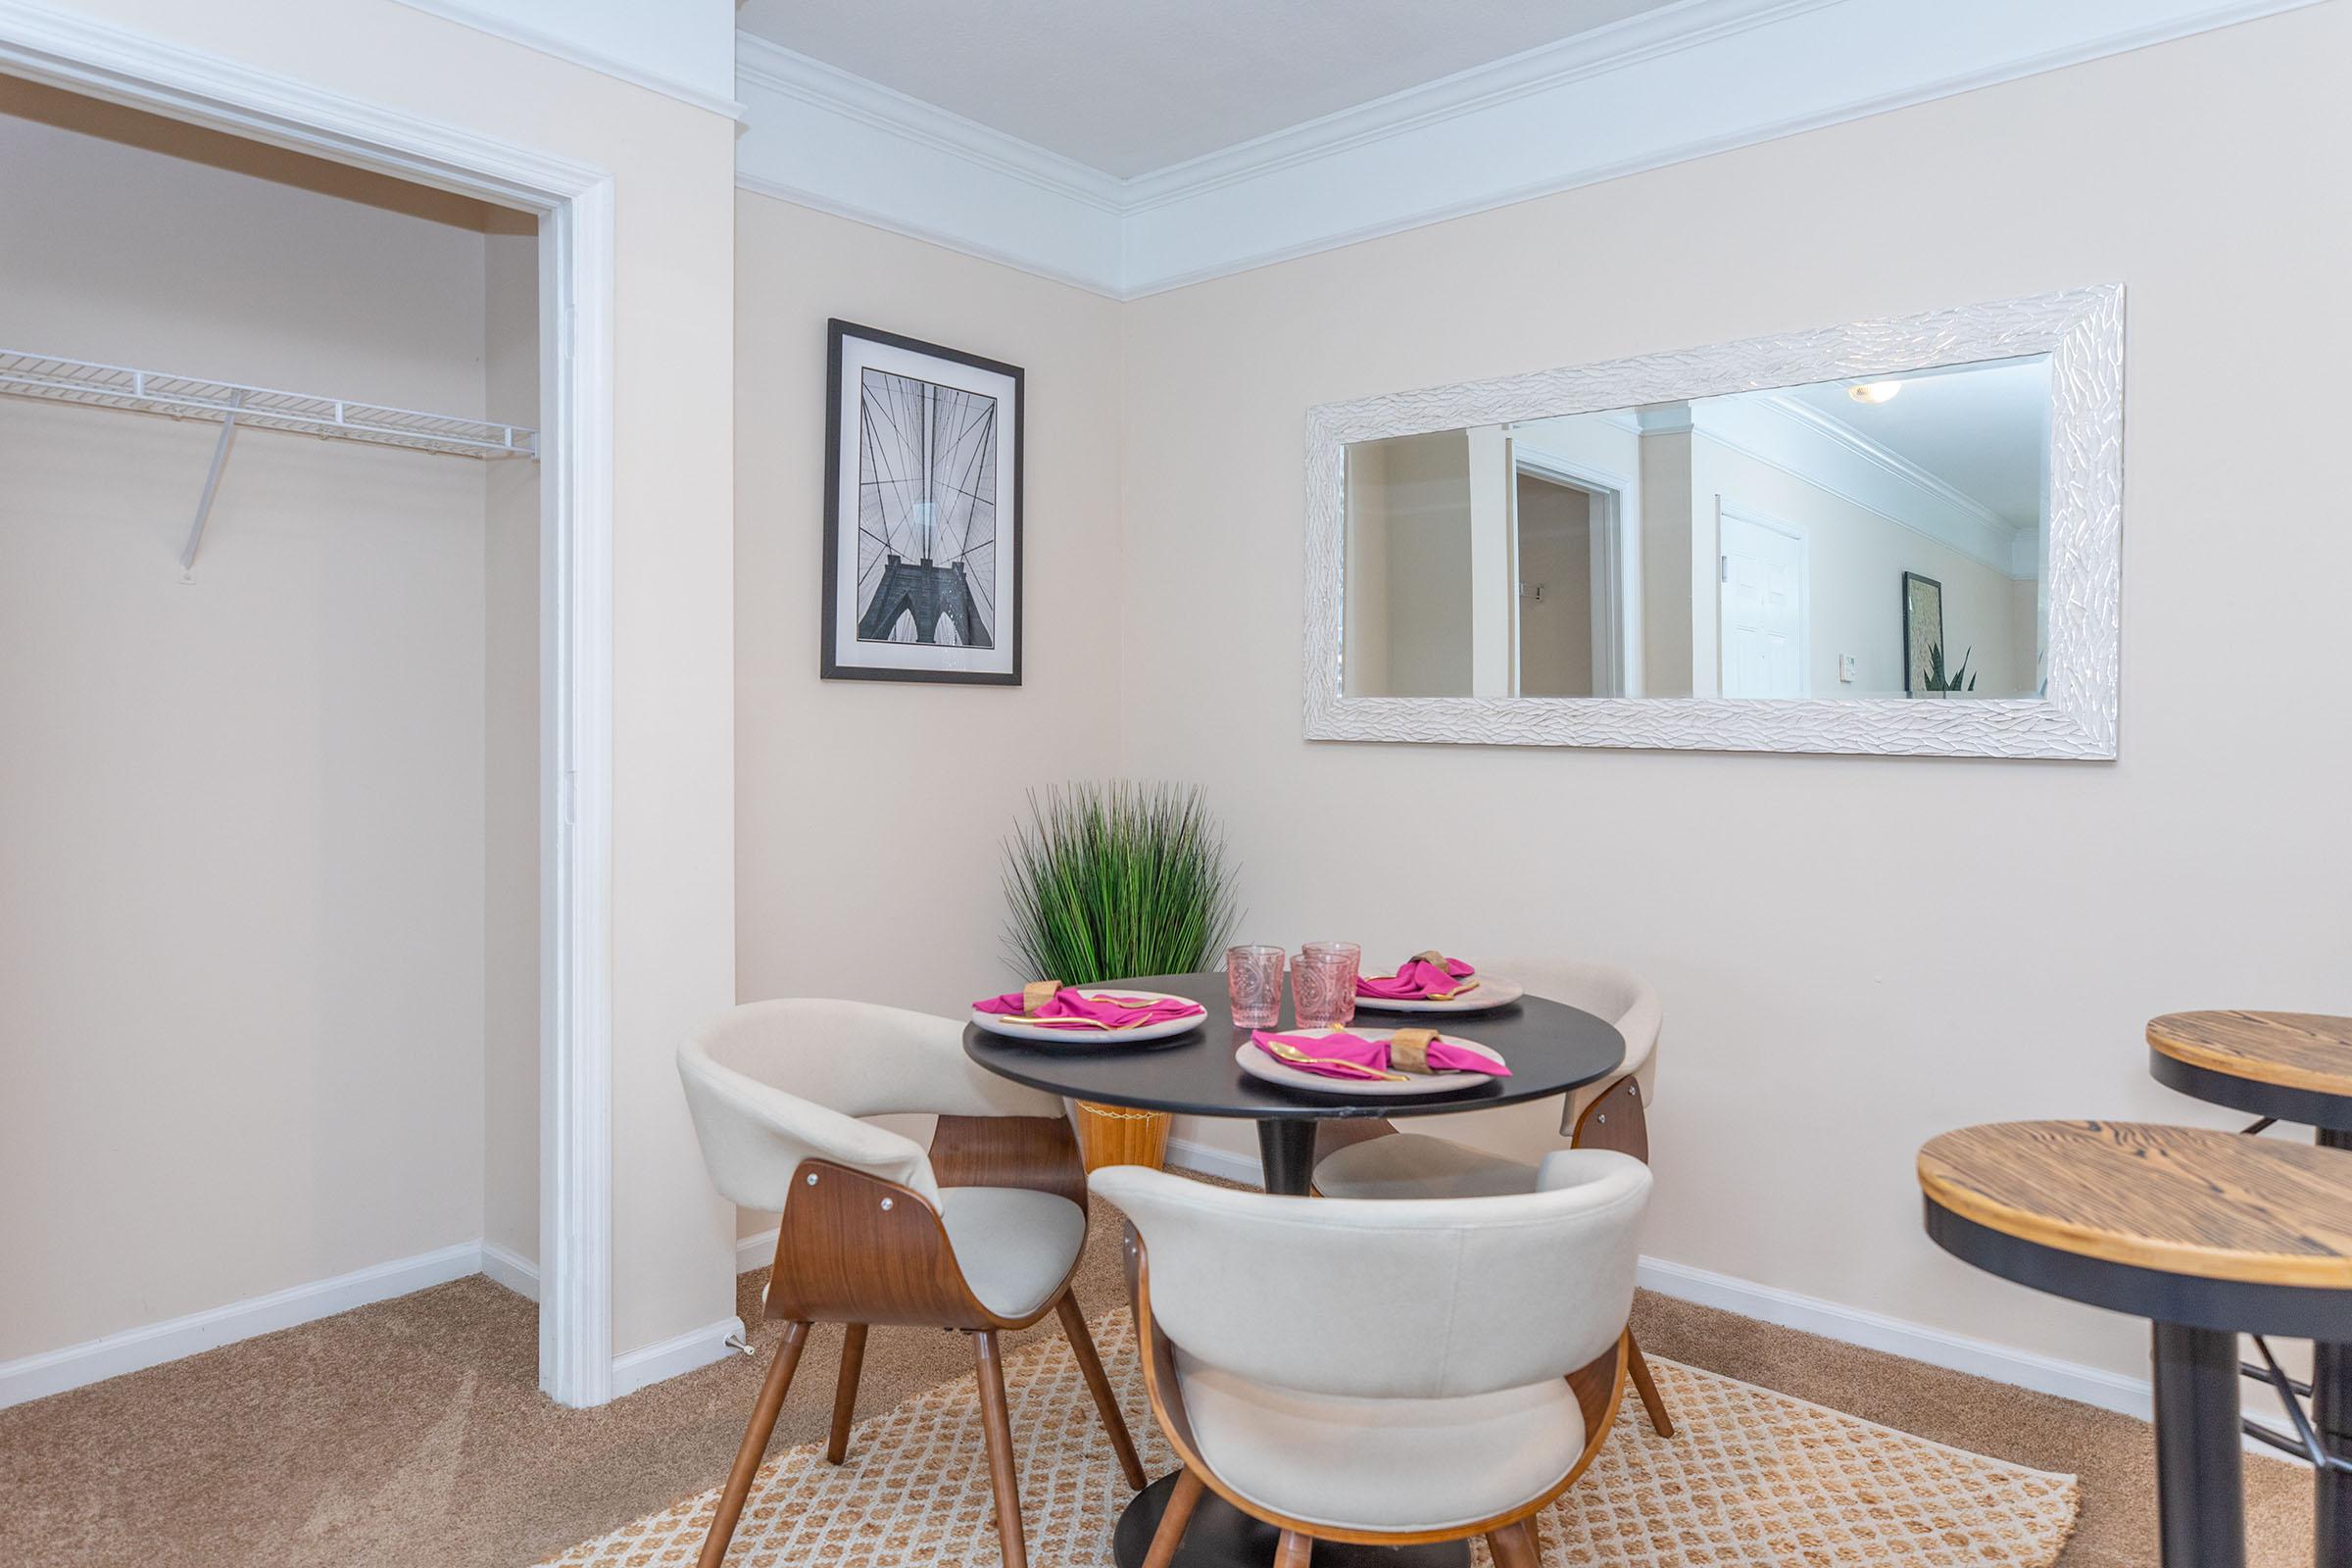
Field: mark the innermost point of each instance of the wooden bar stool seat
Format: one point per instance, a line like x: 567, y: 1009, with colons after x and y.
x: 2207, y: 1234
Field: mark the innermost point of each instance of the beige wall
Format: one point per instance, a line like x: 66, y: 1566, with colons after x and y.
x: 241, y: 819
x: 1854, y: 952
x: 872, y: 812
x: 674, y: 851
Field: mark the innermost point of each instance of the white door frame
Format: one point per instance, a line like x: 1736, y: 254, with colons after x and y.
x: 575, y: 202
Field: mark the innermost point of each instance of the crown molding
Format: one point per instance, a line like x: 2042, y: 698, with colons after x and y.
x: 824, y: 138
x: 1684, y: 81
x: 571, y: 50
x: 1784, y: 434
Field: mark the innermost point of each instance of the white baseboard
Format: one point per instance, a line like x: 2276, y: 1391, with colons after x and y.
x: 1875, y: 1331
x: 756, y: 1251
x: 684, y: 1353
x: 512, y: 1269
x: 35, y: 1376
x: 1210, y: 1161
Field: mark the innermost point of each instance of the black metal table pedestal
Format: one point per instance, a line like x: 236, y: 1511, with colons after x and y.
x: 1286, y: 1149
x: 2200, y: 1464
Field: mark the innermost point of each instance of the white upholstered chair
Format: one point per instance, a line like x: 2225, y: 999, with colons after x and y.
x: 980, y: 1232
x: 1387, y: 1372
x: 1488, y: 1152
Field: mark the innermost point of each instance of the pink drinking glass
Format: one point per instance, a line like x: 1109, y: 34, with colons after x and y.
x: 1349, y: 954
x: 1322, y: 989
x: 1254, y: 980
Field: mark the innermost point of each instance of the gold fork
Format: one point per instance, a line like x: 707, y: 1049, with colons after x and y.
x: 1282, y: 1050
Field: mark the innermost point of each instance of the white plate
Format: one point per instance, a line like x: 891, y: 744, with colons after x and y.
x: 1489, y: 994
x: 1014, y: 1027
x: 1257, y: 1064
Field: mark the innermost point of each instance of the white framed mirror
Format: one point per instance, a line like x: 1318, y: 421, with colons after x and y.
x: 1893, y: 537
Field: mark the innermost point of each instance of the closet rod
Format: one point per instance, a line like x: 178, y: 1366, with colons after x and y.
x: 45, y: 377
x: 49, y: 378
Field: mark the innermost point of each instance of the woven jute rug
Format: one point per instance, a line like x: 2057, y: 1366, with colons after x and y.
x: 1750, y: 1478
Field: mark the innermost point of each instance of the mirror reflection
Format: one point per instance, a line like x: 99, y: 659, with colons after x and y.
x: 1872, y: 538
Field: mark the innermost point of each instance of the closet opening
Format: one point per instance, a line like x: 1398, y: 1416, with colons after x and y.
x: 299, y: 558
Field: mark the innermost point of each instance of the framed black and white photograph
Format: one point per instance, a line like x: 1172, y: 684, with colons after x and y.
x: 922, y: 512
x: 1923, y: 632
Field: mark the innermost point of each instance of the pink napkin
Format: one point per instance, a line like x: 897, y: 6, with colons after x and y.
x: 1347, y: 1055
x: 1076, y: 1009
x: 1416, y: 980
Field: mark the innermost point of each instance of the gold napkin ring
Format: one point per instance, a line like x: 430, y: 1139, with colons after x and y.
x: 1408, y: 1050
x: 1433, y: 956
x: 1036, y: 994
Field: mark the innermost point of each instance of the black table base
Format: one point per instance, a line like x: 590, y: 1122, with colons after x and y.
x: 1286, y: 1149
x: 2200, y: 1462
x: 1221, y: 1536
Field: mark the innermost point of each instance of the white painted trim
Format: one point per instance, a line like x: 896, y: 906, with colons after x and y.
x: 681, y: 1354
x: 35, y: 1376
x: 67, y: 50
x: 1684, y: 82
x: 510, y: 1269
x: 573, y: 52
x: 1875, y: 1331
x: 820, y: 137
x: 756, y: 1251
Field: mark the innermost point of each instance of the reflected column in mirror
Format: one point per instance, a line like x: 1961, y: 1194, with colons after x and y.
x: 1881, y: 537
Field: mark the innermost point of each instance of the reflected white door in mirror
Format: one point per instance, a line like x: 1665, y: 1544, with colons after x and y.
x: 1895, y: 536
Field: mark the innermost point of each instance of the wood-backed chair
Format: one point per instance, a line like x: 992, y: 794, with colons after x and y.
x: 1489, y: 1152
x: 980, y: 1233
x: 1383, y: 1372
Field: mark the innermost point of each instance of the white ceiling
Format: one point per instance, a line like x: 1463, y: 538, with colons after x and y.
x: 1131, y: 86
x: 1980, y: 428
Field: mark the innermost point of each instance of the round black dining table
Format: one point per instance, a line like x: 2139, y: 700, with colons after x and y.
x: 1550, y: 1047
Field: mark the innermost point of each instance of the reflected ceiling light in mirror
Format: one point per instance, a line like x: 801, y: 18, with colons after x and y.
x: 1875, y: 391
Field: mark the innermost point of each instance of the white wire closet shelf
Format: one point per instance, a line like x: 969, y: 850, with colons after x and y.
x: 47, y: 377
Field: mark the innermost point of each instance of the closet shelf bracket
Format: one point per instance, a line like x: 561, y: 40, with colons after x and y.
x: 211, y: 488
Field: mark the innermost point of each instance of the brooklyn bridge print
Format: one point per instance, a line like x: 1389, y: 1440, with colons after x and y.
x: 926, y: 512
x: 922, y: 512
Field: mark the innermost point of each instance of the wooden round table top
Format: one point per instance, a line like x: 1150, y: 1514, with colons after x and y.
x: 2306, y: 1051
x: 2180, y: 1201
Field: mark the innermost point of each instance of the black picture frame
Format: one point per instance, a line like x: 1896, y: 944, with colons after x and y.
x: 1006, y: 630
x: 1918, y: 588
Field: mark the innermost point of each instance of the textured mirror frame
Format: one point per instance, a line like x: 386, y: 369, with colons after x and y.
x: 2082, y: 332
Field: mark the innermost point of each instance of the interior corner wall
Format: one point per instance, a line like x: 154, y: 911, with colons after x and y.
x: 1854, y: 952
x: 672, y: 166
x: 241, y: 818
x: 511, y: 739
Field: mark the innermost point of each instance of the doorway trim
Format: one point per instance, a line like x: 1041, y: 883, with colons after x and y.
x: 576, y: 205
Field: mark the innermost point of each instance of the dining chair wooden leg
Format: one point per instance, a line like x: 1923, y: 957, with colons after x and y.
x: 1179, y: 1513
x: 844, y: 1393
x: 1647, y: 1386
x: 1513, y: 1545
x: 1082, y: 1346
x: 755, y: 1445
x: 1297, y: 1548
x: 1003, y: 1477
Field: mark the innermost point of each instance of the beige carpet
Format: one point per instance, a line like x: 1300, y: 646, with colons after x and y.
x: 1752, y: 1476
